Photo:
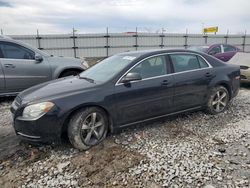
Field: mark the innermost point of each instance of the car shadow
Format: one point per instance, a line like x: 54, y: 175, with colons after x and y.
x: 245, y: 85
x: 7, y: 99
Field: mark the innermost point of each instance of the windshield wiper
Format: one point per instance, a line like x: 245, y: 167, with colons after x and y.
x: 86, y: 78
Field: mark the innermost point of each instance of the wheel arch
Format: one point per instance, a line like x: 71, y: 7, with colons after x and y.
x: 60, y: 70
x: 60, y: 73
x: 227, y: 86
x: 75, y: 110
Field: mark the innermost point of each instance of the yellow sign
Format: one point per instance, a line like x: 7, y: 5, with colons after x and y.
x: 210, y: 30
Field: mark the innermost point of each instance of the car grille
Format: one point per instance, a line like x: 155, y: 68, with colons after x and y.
x: 244, y: 67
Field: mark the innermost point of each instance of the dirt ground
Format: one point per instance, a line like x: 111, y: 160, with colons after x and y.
x: 188, y: 150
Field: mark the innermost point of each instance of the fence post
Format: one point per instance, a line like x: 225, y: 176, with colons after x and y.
x: 162, y: 40
x: 107, y: 41
x: 186, y: 36
x: 38, y: 38
x: 136, y: 39
x: 1, y: 31
x: 74, y: 42
x: 226, y: 37
x: 205, y: 38
x: 244, y: 41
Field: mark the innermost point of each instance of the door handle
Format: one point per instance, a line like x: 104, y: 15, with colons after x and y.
x: 208, y: 74
x: 165, y: 82
x: 9, y: 65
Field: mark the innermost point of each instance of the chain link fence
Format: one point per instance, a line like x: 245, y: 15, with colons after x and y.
x: 103, y: 45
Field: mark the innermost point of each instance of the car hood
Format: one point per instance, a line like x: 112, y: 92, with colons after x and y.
x: 56, y: 59
x: 55, y: 89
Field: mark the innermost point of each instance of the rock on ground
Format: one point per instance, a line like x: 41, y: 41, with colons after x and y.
x: 188, y: 150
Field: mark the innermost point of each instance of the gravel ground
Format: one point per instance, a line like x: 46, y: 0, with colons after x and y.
x: 189, y: 150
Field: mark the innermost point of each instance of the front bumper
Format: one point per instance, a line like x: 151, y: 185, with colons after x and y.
x: 45, y: 129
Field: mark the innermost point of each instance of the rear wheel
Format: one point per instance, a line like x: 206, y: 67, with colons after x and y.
x: 218, y: 100
x: 87, y: 128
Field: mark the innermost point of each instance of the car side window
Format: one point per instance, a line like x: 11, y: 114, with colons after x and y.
x: 203, y: 63
x: 15, y: 51
x: 1, y: 54
x: 215, y: 50
x: 228, y: 48
x: 184, y: 62
x: 155, y: 66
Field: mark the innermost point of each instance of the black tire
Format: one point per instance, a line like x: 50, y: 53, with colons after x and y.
x: 218, y: 100
x: 81, y: 126
x: 69, y: 73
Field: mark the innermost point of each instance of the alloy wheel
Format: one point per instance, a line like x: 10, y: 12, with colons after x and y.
x: 93, y: 128
x: 220, y: 101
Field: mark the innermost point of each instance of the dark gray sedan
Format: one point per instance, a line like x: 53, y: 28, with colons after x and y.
x: 22, y: 66
x: 122, y: 90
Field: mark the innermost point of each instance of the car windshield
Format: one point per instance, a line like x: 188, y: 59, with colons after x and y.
x: 198, y: 48
x: 106, y: 69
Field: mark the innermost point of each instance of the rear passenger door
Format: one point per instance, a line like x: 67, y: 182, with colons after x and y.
x: 192, y: 75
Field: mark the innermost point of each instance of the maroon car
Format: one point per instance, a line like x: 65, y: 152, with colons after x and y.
x: 223, y: 52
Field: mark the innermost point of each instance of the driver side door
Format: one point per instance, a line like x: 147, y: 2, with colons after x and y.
x: 20, y: 68
x: 150, y: 97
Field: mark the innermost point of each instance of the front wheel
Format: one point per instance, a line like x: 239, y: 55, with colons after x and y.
x: 218, y: 100
x: 87, y: 128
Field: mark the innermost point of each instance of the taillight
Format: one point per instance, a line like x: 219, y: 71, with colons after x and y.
x: 244, y: 67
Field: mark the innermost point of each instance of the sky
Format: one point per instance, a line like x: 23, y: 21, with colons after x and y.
x: 93, y: 16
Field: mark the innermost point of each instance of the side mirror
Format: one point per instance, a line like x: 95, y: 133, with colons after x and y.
x: 132, y: 76
x: 38, y: 58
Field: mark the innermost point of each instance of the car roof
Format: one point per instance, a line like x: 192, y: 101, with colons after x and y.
x: 199, y: 46
x: 146, y: 53
x: 154, y: 52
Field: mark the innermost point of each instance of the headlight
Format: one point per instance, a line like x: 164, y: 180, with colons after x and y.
x: 85, y: 64
x: 35, y: 111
